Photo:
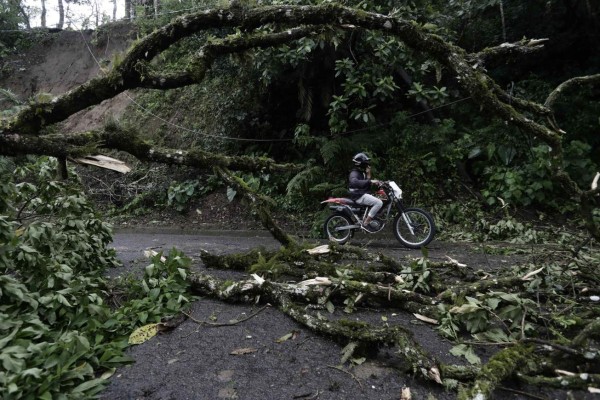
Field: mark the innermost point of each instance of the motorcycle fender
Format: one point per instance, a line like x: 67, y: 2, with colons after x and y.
x: 343, y: 210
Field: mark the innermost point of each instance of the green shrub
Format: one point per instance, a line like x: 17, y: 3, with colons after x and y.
x: 59, y: 337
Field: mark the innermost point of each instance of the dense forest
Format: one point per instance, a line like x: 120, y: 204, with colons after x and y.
x: 486, y: 112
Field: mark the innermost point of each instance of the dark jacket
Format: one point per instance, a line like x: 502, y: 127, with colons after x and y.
x: 359, y: 184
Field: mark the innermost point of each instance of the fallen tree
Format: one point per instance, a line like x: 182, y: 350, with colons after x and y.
x: 421, y: 288
x: 27, y: 132
x: 513, y: 311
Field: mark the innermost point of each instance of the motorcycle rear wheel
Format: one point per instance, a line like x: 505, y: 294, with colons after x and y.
x: 332, y: 225
x: 423, y: 228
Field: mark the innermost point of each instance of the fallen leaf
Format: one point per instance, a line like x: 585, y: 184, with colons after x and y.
x: 425, y: 319
x: 104, y: 162
x: 405, y: 394
x: 358, y: 361
x: 319, y: 250
x: 321, y: 281
x: 245, y: 350
x: 595, y: 181
x: 455, y: 262
x: 108, y: 373
x: 434, y: 374
x: 564, y: 373
x: 143, y: 333
x: 285, y: 337
x: 152, y: 253
x: 532, y: 273
x: 258, y: 279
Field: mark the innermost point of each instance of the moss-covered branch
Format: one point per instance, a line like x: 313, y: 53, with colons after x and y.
x: 501, y: 366
x: 202, y: 61
x: 505, y: 51
x: 91, y: 142
x: 591, y: 331
x: 260, y: 204
x: 573, y: 382
x: 344, y: 285
x: 521, y: 104
x: 590, y: 80
x: 281, y: 295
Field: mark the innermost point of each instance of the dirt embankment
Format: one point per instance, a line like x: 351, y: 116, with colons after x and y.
x: 58, y: 62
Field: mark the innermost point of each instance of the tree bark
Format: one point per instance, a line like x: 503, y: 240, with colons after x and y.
x: 501, y: 366
x: 75, y: 145
x: 260, y: 204
x: 43, y: 15
x: 61, y: 15
x: 418, y: 360
x: 127, y: 9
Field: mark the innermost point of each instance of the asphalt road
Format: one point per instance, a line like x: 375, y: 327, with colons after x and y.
x: 195, y: 361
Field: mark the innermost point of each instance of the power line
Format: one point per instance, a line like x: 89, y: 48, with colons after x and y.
x: 148, y: 112
x: 145, y: 110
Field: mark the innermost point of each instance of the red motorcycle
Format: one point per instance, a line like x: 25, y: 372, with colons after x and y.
x: 413, y: 227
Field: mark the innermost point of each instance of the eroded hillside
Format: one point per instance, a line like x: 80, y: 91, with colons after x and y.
x: 55, y: 63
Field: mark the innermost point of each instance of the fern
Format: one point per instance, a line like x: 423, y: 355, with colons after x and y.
x: 303, y: 180
x: 332, y: 149
x: 7, y: 95
x: 272, y: 266
x: 325, y: 187
x: 17, y: 105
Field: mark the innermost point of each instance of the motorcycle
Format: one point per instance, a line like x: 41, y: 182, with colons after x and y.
x: 413, y: 227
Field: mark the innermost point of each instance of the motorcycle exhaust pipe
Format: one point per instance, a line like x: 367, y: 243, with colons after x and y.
x: 347, y: 227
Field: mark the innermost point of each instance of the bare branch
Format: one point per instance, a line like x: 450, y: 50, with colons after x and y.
x: 567, y: 85
x: 506, y: 51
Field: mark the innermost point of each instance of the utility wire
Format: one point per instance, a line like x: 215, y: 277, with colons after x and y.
x: 177, y: 126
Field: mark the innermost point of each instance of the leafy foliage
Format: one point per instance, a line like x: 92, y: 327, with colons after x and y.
x: 179, y: 193
x: 58, y: 333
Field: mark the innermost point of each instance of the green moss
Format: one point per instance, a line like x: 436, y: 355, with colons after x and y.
x: 500, y: 367
x: 353, y: 325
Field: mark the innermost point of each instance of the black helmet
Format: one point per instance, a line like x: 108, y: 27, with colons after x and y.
x: 361, y: 160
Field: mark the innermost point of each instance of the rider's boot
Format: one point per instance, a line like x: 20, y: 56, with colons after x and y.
x: 366, y: 223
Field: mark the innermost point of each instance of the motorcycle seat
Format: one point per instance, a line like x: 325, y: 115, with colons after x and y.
x: 349, y: 202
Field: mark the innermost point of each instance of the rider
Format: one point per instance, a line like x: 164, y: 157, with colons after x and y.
x: 359, y: 184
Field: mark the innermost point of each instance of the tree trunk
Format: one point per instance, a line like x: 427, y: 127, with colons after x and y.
x: 503, y: 20
x: 156, y: 7
x: 61, y: 15
x: 127, y: 9
x: 43, y: 13
x: 114, y: 12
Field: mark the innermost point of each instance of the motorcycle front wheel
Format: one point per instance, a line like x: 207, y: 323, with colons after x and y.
x: 332, y: 228
x: 414, y: 228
